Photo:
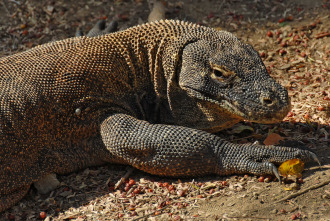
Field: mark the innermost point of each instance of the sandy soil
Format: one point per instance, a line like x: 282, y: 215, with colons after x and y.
x: 292, y: 38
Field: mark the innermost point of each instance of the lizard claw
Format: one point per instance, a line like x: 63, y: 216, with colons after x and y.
x: 315, y: 158
x: 112, y: 27
x: 263, y: 168
x: 276, y: 173
x: 79, y: 33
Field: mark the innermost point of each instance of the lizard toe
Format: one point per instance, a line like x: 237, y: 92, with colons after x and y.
x: 279, y: 154
x: 100, y: 28
x: 262, y: 168
x: 112, y: 27
x: 260, y: 159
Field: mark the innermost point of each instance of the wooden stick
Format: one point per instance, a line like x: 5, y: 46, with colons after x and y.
x: 122, y: 180
x: 293, y: 195
x: 321, y: 35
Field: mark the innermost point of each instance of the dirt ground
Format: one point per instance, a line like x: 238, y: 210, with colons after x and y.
x: 293, y: 40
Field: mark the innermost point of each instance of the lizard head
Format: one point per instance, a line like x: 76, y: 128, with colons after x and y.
x: 230, y: 83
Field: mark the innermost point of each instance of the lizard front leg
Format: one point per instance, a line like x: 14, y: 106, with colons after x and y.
x: 169, y: 150
x: 49, y: 182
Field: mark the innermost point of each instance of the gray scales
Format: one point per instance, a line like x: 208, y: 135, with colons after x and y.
x: 150, y: 97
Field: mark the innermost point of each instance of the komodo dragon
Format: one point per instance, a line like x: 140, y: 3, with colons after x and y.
x: 148, y: 97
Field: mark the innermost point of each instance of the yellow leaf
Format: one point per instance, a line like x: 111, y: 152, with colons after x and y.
x: 292, y: 167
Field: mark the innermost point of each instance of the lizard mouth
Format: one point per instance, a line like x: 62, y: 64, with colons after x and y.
x: 250, y: 110
x: 255, y: 112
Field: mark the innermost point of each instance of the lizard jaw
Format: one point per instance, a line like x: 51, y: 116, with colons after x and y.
x: 265, y: 116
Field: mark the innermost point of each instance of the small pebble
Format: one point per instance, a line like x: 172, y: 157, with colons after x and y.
x: 325, y: 196
x: 274, y: 211
x: 282, y: 211
x: 78, y: 111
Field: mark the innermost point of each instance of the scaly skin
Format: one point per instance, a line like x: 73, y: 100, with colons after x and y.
x: 147, y: 96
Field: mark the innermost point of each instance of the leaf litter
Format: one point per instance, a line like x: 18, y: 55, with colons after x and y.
x: 296, y: 54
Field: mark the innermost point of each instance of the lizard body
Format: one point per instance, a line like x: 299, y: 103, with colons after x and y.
x: 148, y: 97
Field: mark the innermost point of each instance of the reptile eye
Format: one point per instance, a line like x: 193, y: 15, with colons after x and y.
x: 218, y: 73
x: 221, y: 73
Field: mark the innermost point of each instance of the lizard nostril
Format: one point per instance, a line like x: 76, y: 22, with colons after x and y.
x: 267, y: 101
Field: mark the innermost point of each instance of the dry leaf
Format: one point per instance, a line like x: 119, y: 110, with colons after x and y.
x: 273, y: 139
x: 292, y: 167
x: 240, y: 129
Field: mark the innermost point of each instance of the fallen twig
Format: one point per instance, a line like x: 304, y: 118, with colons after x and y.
x: 293, y: 195
x: 5, y: 7
x: 322, y: 34
x: 247, y: 217
x: 152, y: 213
x: 122, y: 180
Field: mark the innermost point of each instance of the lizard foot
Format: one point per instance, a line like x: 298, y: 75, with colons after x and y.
x: 261, y: 160
x: 100, y: 29
x: 47, y: 183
